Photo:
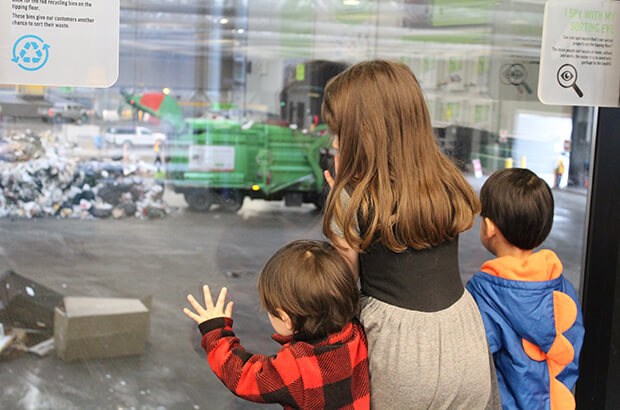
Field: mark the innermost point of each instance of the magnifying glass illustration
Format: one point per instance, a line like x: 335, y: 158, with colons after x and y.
x: 567, y: 77
x: 515, y: 74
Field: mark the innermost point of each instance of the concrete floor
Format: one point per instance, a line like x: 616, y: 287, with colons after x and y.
x: 168, y: 258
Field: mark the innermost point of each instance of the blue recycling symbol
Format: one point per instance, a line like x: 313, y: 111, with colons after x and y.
x: 30, y: 52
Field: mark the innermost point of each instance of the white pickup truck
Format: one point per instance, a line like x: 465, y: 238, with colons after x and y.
x: 133, y: 136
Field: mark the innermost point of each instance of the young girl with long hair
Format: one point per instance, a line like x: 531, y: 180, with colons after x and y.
x: 395, y: 211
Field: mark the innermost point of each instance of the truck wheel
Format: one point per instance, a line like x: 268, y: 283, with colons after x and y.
x: 320, y: 198
x: 199, y: 200
x: 319, y: 202
x: 230, y: 200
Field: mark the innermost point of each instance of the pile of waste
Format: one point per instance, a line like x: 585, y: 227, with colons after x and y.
x: 37, y: 180
x: 17, y: 146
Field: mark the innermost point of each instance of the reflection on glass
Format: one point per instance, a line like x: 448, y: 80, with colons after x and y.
x: 217, y: 108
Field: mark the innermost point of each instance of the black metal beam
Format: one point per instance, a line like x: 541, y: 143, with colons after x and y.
x: 599, y: 378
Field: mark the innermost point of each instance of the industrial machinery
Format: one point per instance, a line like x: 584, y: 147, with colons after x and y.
x: 220, y: 162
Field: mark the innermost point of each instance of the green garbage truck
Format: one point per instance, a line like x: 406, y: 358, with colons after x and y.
x: 221, y: 162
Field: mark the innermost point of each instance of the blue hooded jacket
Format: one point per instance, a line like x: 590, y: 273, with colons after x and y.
x: 534, y: 326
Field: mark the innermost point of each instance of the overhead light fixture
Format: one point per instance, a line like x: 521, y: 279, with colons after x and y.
x: 240, y: 31
x: 351, y: 2
x: 223, y: 20
x: 166, y: 90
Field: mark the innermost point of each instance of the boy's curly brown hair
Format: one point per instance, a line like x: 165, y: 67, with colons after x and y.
x: 313, y: 284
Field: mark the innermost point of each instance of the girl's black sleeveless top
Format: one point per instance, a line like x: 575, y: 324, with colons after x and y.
x: 426, y: 280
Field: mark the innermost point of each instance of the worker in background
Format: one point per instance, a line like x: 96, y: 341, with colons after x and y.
x: 157, y: 149
x: 159, y: 174
x: 559, y: 171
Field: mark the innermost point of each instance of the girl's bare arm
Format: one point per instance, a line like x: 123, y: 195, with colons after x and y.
x: 350, y: 255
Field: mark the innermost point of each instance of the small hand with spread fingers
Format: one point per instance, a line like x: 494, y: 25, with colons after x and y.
x: 210, y: 311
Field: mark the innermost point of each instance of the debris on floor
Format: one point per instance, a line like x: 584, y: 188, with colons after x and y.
x: 42, y: 349
x: 15, y: 344
x: 27, y: 304
x: 26, y: 315
x: 5, y: 340
x: 238, y: 274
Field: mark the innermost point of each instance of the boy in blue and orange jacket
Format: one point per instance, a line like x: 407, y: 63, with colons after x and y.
x: 530, y: 311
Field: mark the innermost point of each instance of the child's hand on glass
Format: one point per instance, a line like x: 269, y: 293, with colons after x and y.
x: 209, y: 311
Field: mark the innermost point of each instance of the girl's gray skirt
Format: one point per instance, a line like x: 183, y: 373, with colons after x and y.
x: 429, y: 360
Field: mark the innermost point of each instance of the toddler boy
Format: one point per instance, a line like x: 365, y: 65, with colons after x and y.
x: 312, y: 300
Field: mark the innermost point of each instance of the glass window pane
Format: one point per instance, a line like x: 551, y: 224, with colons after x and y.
x: 207, y: 154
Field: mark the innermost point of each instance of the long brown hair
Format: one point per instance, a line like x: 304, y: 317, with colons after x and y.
x: 403, y: 189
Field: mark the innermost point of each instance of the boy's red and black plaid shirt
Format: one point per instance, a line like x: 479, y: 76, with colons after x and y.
x: 330, y: 373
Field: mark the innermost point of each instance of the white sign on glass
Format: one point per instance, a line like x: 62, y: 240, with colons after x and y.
x: 211, y: 158
x: 580, y: 56
x: 59, y: 42
x: 513, y: 77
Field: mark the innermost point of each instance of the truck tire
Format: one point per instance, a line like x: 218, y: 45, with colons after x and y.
x: 199, y: 200
x: 319, y: 202
x: 230, y: 200
x: 320, y: 198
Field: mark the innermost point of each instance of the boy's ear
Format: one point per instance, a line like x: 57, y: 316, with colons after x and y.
x: 286, y: 319
x: 490, y: 228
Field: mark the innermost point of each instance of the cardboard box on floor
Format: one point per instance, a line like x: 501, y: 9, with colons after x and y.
x: 95, y: 328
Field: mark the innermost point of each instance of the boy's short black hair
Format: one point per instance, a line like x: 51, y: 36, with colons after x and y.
x: 520, y: 204
x: 313, y: 284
